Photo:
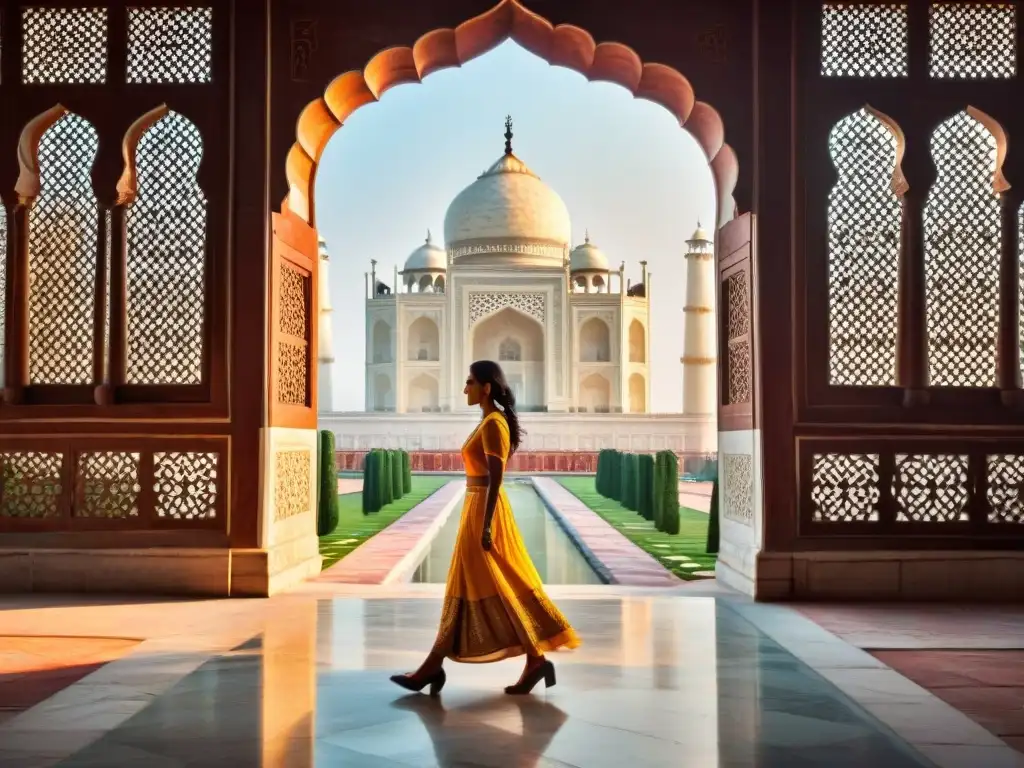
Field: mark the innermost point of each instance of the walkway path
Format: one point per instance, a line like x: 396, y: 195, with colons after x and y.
x: 400, y: 544
x: 620, y: 559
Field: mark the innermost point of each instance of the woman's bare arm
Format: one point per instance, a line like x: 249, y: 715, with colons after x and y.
x: 495, y: 474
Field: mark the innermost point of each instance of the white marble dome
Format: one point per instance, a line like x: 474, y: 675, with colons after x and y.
x: 507, y: 202
x: 427, y: 258
x: 588, y: 257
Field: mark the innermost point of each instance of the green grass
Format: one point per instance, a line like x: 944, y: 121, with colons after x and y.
x: 354, y: 527
x: 682, y: 554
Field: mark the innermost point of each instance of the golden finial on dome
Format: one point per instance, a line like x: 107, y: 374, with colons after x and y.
x: 508, y: 134
x: 428, y: 237
x: 586, y: 237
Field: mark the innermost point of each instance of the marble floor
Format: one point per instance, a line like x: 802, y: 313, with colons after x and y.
x: 662, y: 680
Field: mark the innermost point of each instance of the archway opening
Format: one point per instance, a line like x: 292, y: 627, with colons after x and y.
x: 595, y: 394
x: 517, y: 342
x: 423, y: 394
x: 424, y: 341
x: 382, y: 342
x: 637, y: 394
x: 595, y: 341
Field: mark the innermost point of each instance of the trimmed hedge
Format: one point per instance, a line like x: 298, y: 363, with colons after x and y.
x: 645, y: 499
x: 666, y: 483
x: 397, y: 484
x: 328, y: 510
x: 387, y: 477
x: 712, y: 547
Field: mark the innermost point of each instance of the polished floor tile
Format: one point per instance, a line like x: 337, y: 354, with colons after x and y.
x: 659, y: 682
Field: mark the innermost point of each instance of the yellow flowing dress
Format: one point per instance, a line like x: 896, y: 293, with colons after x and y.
x: 494, y: 603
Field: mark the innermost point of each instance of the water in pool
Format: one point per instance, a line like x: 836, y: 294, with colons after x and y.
x: 557, y: 559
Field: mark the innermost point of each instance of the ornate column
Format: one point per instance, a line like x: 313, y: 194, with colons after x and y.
x: 1008, y: 360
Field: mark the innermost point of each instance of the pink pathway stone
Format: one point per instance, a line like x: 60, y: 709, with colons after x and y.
x: 626, y: 562
x: 696, y: 496
x: 374, y: 559
x: 349, y: 485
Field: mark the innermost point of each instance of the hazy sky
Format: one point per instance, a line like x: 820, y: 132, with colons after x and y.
x: 622, y: 165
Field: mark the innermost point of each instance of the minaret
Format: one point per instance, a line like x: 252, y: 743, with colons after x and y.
x: 325, y: 355
x: 699, y: 327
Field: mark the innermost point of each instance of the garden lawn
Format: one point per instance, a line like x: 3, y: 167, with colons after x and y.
x: 682, y: 554
x: 354, y: 527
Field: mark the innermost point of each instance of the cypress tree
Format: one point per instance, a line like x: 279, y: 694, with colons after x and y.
x: 712, y: 547
x: 387, y: 489
x: 406, y: 473
x: 670, y: 497
x: 658, y: 490
x: 615, y: 476
x: 371, y: 497
x: 397, y: 486
x: 623, y: 497
x: 602, y: 463
x: 646, y: 494
x: 328, y: 508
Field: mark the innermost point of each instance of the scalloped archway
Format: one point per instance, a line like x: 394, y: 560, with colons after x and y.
x: 563, y: 45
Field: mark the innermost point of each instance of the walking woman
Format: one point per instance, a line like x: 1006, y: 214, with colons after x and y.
x: 494, y: 603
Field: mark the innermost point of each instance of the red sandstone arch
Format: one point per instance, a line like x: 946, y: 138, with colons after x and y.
x: 563, y: 45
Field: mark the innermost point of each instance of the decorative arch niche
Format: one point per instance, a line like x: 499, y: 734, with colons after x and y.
x: 563, y: 45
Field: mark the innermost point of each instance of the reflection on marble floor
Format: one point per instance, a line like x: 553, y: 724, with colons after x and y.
x: 659, y: 682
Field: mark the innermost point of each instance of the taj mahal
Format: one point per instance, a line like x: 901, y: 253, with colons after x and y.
x: 571, y: 330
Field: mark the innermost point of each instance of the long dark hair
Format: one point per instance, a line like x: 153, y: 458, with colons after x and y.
x: 489, y: 372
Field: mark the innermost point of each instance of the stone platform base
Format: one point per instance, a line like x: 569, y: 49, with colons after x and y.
x: 976, y: 576
x: 153, y: 571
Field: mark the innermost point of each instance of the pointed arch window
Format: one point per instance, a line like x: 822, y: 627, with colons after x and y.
x: 863, y: 251
x: 62, y: 248
x: 963, y: 241
x: 166, y: 257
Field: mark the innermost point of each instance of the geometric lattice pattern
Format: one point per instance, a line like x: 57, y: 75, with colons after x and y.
x: 31, y: 484
x: 62, y: 256
x: 107, y: 485
x: 863, y: 40
x: 3, y: 285
x: 1005, y: 475
x: 482, y: 305
x: 738, y: 371
x: 863, y: 253
x: 738, y: 487
x: 844, y: 487
x: 292, y: 476
x: 973, y: 40
x: 170, y: 45
x: 963, y: 240
x: 1020, y: 278
x: 931, y: 488
x: 166, y: 252
x: 293, y: 302
x: 186, y: 485
x: 64, y: 45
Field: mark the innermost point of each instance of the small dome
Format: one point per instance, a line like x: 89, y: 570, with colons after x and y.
x: 587, y: 257
x: 699, y: 235
x: 427, y: 258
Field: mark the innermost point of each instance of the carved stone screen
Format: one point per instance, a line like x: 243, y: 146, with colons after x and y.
x: 483, y: 305
x: 863, y: 40
x: 64, y: 45
x: 930, y: 488
x: 962, y: 232
x: 185, y: 484
x: 1020, y: 267
x: 973, y: 40
x: 167, y: 257
x: 107, y: 485
x: 63, y: 225
x: 1005, y: 480
x: 863, y: 254
x: 844, y: 487
x: 170, y: 45
x: 293, y: 343
x: 32, y: 485
x: 738, y: 374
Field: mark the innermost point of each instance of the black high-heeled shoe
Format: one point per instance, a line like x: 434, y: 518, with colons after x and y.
x: 436, y: 682
x: 545, y: 672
